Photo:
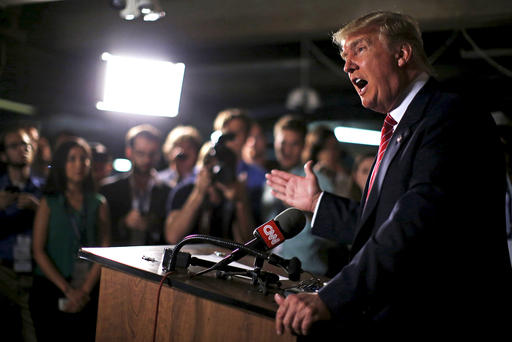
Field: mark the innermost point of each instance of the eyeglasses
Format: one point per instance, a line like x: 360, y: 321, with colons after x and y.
x: 15, y: 145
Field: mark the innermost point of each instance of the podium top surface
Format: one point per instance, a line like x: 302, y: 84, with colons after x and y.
x: 146, y: 262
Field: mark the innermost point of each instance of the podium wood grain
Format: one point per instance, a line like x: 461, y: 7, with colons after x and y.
x: 127, y: 306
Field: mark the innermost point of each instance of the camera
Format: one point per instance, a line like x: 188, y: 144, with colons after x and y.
x: 12, y: 189
x: 222, y: 161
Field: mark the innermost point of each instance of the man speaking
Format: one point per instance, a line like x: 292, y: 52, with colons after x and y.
x: 429, y: 252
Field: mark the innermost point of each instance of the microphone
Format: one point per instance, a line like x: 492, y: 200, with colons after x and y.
x: 271, y: 234
x: 292, y: 266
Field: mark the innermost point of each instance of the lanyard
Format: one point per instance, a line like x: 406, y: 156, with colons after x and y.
x: 79, y: 226
x: 141, y: 199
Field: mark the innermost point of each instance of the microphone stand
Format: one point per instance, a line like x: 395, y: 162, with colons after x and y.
x: 197, y: 238
x: 260, y: 278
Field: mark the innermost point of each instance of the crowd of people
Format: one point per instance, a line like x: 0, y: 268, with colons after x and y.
x: 54, y: 201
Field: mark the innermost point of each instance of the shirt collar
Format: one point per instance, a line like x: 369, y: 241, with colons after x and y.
x: 411, y: 92
x: 153, y: 179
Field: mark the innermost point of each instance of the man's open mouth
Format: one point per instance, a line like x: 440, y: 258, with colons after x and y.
x: 360, y: 83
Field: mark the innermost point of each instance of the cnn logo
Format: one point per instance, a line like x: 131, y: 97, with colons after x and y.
x: 269, y: 231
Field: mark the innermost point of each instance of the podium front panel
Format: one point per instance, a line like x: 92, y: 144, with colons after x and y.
x: 202, y: 308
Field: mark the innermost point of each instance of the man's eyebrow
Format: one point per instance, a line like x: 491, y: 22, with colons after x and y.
x: 352, y: 45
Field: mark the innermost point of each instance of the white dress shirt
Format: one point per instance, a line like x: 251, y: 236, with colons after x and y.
x: 396, y: 114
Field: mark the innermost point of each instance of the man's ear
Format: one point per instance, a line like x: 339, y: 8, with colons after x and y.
x: 404, y: 54
x: 3, y: 157
x: 128, y: 152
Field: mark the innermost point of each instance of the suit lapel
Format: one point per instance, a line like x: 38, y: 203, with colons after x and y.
x: 400, y: 137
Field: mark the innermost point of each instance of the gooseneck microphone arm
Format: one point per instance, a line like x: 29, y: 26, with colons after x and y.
x: 197, y: 238
x: 287, y: 224
x: 227, y: 259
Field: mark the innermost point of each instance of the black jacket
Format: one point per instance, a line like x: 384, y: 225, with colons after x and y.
x: 429, y: 251
x: 118, y: 193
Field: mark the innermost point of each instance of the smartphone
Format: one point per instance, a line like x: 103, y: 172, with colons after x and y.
x: 13, y: 189
x: 63, y: 303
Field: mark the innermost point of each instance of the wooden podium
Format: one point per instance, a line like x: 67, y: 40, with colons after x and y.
x: 201, y: 308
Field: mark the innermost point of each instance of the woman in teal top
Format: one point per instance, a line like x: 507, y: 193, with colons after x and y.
x: 71, y: 215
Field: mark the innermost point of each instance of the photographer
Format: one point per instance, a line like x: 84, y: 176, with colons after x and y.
x: 214, y: 203
x: 236, y: 122
x: 180, y: 149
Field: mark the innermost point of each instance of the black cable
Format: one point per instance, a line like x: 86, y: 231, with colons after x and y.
x: 195, y: 238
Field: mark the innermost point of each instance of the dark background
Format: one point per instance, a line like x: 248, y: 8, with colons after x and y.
x: 248, y: 54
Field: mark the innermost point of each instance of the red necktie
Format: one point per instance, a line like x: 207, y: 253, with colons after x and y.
x: 386, y: 133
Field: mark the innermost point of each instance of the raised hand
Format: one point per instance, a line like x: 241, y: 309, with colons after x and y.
x: 296, y: 191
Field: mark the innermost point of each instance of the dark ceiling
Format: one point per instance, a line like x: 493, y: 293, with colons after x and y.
x: 249, y: 54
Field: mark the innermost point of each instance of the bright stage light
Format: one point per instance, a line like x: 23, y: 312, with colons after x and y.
x: 357, y: 135
x: 122, y: 165
x: 141, y: 86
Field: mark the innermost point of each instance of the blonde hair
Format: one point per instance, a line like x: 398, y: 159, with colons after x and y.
x: 396, y: 27
x: 229, y: 114
x: 179, y: 134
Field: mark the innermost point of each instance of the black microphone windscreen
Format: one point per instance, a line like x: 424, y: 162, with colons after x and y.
x: 291, y: 222
x: 294, y: 269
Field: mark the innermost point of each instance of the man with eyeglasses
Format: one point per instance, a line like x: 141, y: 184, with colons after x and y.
x: 20, y: 192
x: 137, y: 200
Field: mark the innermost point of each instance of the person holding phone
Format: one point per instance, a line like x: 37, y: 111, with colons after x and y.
x: 71, y: 215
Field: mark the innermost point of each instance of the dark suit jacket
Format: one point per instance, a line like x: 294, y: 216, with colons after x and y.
x: 118, y: 193
x: 429, y: 250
